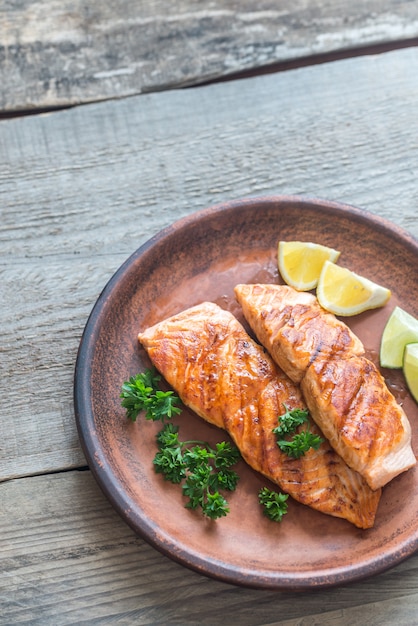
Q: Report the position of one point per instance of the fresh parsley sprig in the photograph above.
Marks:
(300, 442)
(290, 420)
(205, 470)
(274, 504)
(141, 393)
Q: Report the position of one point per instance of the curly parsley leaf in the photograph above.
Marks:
(300, 442)
(290, 420)
(168, 437)
(169, 462)
(226, 455)
(274, 504)
(215, 505)
(141, 393)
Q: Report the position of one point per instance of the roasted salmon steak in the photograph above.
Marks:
(225, 377)
(345, 393)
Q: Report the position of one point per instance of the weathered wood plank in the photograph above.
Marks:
(81, 189)
(67, 558)
(58, 53)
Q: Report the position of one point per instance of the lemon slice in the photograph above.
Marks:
(343, 292)
(410, 368)
(401, 329)
(300, 262)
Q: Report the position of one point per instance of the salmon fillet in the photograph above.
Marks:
(218, 371)
(293, 327)
(345, 393)
(349, 399)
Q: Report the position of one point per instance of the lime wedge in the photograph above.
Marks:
(401, 329)
(410, 368)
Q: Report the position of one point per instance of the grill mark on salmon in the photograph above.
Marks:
(294, 328)
(345, 393)
(363, 418)
(227, 379)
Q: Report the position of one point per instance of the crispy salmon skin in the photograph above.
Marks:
(218, 371)
(346, 394)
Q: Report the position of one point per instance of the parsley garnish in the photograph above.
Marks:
(290, 420)
(302, 441)
(274, 504)
(141, 393)
(205, 470)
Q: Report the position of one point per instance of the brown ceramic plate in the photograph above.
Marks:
(199, 258)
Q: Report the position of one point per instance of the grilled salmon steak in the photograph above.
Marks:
(218, 371)
(294, 328)
(345, 393)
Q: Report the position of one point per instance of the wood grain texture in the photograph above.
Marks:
(67, 558)
(80, 190)
(62, 52)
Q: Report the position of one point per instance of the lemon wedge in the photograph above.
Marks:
(300, 262)
(343, 292)
(410, 368)
(400, 330)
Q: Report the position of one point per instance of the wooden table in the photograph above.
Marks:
(99, 150)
